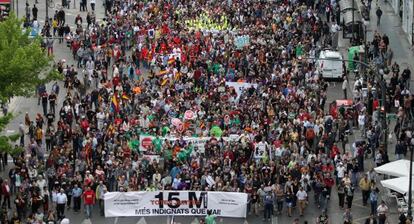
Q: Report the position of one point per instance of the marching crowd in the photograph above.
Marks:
(175, 69)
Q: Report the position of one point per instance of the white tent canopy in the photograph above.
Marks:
(399, 185)
(398, 168)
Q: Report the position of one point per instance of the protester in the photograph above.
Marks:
(61, 200)
(89, 199)
(233, 74)
(365, 186)
(382, 211)
(348, 219)
(373, 197)
(302, 197)
(378, 12)
(323, 218)
(371, 220)
(210, 219)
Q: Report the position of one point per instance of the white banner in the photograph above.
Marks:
(260, 150)
(242, 41)
(179, 203)
(240, 86)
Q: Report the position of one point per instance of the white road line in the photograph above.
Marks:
(275, 220)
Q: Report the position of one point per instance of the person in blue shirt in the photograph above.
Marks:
(76, 193)
(175, 170)
(268, 203)
(373, 198)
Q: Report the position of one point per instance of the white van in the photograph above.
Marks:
(329, 64)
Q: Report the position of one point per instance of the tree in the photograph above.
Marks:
(5, 141)
(23, 66)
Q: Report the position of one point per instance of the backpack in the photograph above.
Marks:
(39, 134)
(268, 200)
(310, 134)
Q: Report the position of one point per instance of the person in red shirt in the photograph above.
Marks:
(329, 182)
(334, 151)
(5, 191)
(327, 168)
(84, 125)
(89, 201)
(229, 154)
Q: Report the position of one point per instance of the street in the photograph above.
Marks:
(19, 106)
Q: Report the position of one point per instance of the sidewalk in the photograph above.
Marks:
(61, 51)
(391, 26)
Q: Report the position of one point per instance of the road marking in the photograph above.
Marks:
(142, 221)
(195, 221)
(275, 220)
(86, 221)
(356, 221)
(357, 199)
(359, 205)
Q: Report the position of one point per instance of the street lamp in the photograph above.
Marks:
(410, 194)
(47, 10)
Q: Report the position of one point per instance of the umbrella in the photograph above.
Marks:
(398, 168)
(399, 185)
(216, 131)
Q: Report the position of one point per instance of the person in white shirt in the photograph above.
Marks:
(382, 211)
(302, 198)
(335, 28)
(41, 183)
(100, 117)
(156, 177)
(361, 123)
(54, 197)
(93, 2)
(61, 200)
(340, 169)
(345, 87)
(65, 221)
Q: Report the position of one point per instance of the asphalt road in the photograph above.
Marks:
(20, 105)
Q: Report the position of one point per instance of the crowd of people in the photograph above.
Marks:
(165, 70)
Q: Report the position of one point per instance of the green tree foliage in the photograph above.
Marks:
(5, 140)
(23, 63)
(23, 66)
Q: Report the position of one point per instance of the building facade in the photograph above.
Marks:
(404, 9)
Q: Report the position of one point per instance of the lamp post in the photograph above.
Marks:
(353, 21)
(47, 10)
(410, 184)
(410, 194)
